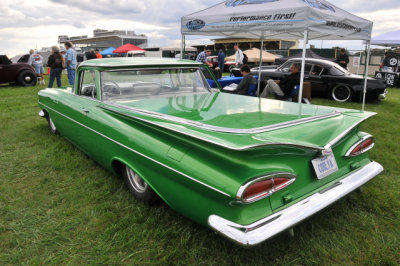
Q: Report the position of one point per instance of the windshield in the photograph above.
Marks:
(133, 84)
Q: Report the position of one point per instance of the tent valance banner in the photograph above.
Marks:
(126, 48)
(277, 19)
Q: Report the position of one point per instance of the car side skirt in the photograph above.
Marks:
(270, 226)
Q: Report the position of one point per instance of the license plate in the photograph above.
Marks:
(325, 165)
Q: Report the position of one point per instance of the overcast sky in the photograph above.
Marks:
(26, 24)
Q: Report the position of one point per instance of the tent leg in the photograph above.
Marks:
(303, 64)
(259, 68)
(366, 74)
(182, 44)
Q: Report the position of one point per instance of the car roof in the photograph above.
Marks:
(314, 61)
(137, 61)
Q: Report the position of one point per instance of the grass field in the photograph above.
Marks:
(57, 206)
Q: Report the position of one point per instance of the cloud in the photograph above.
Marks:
(29, 24)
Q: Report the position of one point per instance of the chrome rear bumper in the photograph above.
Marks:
(267, 227)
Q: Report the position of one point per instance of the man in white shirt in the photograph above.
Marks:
(238, 56)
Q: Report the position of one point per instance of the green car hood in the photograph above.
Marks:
(240, 122)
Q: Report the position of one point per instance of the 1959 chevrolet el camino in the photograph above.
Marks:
(249, 168)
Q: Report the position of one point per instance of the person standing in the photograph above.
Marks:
(221, 60)
(343, 58)
(70, 61)
(98, 55)
(56, 66)
(91, 55)
(385, 64)
(36, 60)
(238, 56)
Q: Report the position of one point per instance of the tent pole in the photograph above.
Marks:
(366, 73)
(259, 67)
(303, 64)
(182, 44)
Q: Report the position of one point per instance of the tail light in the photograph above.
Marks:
(361, 146)
(265, 186)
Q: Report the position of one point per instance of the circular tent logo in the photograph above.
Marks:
(195, 24)
(319, 5)
(233, 3)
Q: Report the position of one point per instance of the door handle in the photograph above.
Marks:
(55, 101)
(86, 111)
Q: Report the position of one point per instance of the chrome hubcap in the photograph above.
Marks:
(28, 79)
(136, 182)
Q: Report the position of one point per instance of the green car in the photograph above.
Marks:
(249, 168)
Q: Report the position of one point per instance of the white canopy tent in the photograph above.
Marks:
(388, 39)
(279, 19)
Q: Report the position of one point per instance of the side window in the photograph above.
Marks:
(317, 70)
(88, 84)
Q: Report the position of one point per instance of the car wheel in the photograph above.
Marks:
(138, 187)
(341, 93)
(52, 127)
(27, 78)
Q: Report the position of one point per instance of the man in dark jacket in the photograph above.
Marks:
(91, 55)
(286, 85)
(243, 87)
(343, 58)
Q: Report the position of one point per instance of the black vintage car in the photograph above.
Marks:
(20, 73)
(328, 79)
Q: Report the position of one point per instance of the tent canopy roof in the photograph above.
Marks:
(253, 55)
(108, 51)
(277, 19)
(391, 39)
(126, 48)
(309, 54)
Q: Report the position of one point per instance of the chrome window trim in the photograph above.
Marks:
(225, 129)
(242, 189)
(348, 153)
(139, 153)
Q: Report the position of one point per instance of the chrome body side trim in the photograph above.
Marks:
(244, 148)
(139, 153)
(357, 143)
(273, 224)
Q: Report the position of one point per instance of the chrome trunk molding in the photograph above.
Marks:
(226, 129)
(257, 232)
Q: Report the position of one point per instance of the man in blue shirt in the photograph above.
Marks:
(70, 61)
(221, 60)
